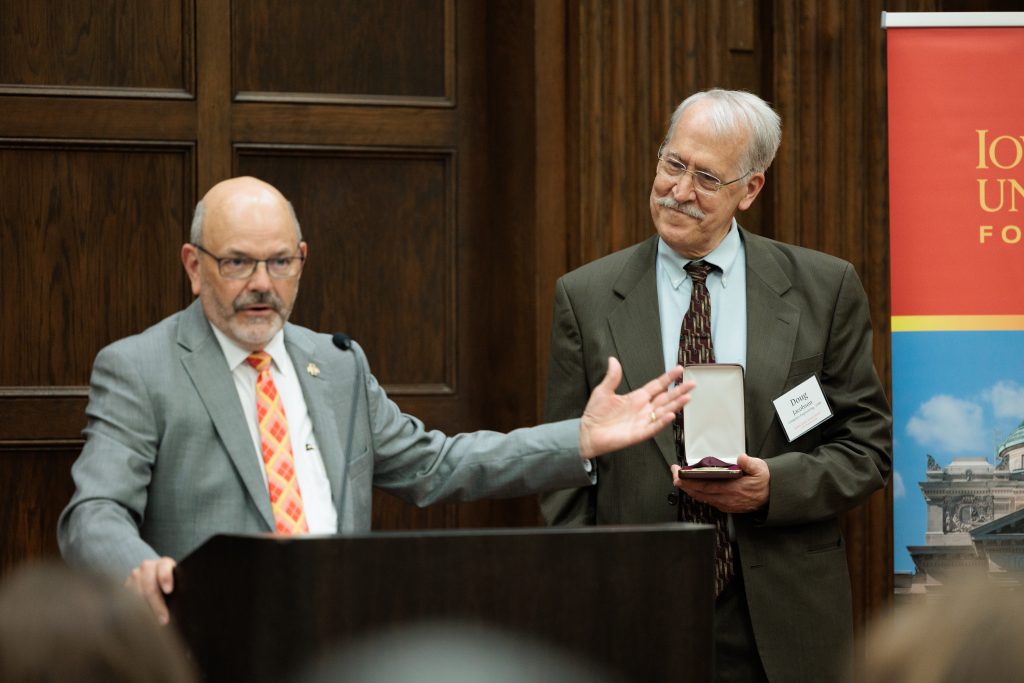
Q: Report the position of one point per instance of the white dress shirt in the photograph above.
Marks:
(321, 516)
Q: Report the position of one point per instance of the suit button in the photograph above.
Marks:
(673, 498)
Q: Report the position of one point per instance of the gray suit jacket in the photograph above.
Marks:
(807, 314)
(169, 461)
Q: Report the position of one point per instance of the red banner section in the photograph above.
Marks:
(956, 176)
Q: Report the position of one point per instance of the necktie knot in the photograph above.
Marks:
(698, 271)
(259, 360)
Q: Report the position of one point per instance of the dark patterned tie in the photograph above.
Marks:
(695, 347)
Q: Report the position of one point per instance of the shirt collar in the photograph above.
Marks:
(236, 355)
(723, 257)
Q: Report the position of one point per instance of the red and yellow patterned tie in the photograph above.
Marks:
(276, 447)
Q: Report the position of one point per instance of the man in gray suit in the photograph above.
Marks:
(176, 449)
(787, 315)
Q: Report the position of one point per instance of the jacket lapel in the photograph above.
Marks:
(320, 389)
(204, 362)
(635, 327)
(772, 325)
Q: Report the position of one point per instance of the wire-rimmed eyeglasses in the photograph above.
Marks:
(672, 167)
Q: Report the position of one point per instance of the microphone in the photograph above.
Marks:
(344, 343)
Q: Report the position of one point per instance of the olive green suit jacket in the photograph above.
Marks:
(807, 314)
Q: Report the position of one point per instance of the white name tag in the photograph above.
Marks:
(802, 408)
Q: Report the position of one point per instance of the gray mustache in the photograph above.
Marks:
(688, 208)
(257, 298)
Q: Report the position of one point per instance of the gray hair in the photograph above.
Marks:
(196, 233)
(731, 110)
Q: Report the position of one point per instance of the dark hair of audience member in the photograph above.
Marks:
(61, 624)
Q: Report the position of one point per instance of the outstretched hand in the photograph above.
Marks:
(611, 422)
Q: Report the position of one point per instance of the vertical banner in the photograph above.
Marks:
(956, 192)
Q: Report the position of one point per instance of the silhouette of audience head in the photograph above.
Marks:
(969, 631)
(452, 652)
(60, 624)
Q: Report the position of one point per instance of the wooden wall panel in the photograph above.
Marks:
(89, 235)
(78, 118)
(402, 124)
(34, 487)
(630, 64)
(99, 45)
(610, 152)
(420, 131)
(88, 232)
(48, 415)
(529, 194)
(381, 230)
(386, 49)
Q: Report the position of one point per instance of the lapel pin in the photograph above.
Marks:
(313, 370)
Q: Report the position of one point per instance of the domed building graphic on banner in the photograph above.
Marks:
(975, 521)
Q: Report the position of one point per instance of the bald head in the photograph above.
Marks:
(239, 194)
(245, 222)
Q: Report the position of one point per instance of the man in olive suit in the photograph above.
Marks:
(787, 315)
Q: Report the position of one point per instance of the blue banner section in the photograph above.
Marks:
(958, 410)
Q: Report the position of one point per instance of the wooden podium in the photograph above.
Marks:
(638, 600)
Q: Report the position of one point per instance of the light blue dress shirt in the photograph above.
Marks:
(727, 286)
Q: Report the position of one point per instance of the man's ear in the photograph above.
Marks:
(304, 250)
(753, 187)
(190, 259)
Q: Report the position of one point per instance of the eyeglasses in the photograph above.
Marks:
(243, 267)
(672, 167)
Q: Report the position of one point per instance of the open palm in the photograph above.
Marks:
(612, 421)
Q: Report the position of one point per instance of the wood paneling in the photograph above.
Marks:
(88, 241)
(350, 50)
(381, 267)
(631, 63)
(361, 114)
(829, 185)
(527, 152)
(50, 415)
(100, 46)
(345, 125)
(103, 119)
(89, 231)
(34, 487)
(98, 195)
(213, 132)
